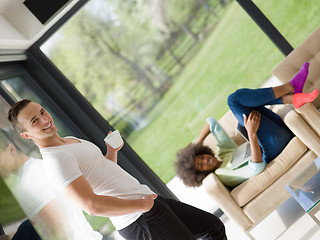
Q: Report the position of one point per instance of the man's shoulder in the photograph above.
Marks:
(33, 160)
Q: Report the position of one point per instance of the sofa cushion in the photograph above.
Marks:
(276, 194)
(246, 191)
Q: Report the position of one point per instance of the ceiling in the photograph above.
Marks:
(20, 28)
(3, 5)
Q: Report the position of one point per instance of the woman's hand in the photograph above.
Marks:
(252, 122)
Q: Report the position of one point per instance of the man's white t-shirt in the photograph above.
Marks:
(63, 164)
(33, 192)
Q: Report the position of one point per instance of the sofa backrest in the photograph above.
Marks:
(249, 189)
(308, 50)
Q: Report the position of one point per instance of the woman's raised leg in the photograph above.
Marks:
(272, 134)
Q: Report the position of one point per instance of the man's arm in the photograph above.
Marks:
(252, 123)
(80, 192)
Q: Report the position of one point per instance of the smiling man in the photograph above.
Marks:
(53, 216)
(101, 187)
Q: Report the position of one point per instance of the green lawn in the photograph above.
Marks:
(237, 54)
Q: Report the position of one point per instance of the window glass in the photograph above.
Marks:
(156, 70)
(10, 210)
(296, 20)
(26, 195)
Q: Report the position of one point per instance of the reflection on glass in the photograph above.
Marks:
(305, 187)
(26, 195)
(52, 215)
(9, 208)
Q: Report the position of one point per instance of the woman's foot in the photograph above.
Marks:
(300, 78)
(299, 99)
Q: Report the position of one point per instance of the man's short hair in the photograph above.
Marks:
(14, 112)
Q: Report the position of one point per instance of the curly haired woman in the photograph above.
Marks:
(267, 134)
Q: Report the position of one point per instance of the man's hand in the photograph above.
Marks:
(252, 122)
(148, 202)
(111, 148)
(111, 152)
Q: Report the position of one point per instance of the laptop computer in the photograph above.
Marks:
(243, 131)
(241, 155)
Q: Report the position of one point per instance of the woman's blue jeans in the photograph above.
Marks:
(273, 134)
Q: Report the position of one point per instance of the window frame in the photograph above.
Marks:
(80, 116)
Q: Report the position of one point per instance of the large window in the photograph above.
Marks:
(132, 62)
(156, 70)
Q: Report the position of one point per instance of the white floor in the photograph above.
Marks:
(288, 222)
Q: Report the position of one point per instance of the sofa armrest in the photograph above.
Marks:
(302, 129)
(221, 195)
(311, 115)
(308, 50)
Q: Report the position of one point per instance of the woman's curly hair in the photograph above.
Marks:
(185, 167)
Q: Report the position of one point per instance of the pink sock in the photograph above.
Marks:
(299, 99)
(300, 78)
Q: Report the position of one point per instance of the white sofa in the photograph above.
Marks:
(256, 198)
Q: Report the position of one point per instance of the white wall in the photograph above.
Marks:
(9, 36)
(22, 19)
(19, 28)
